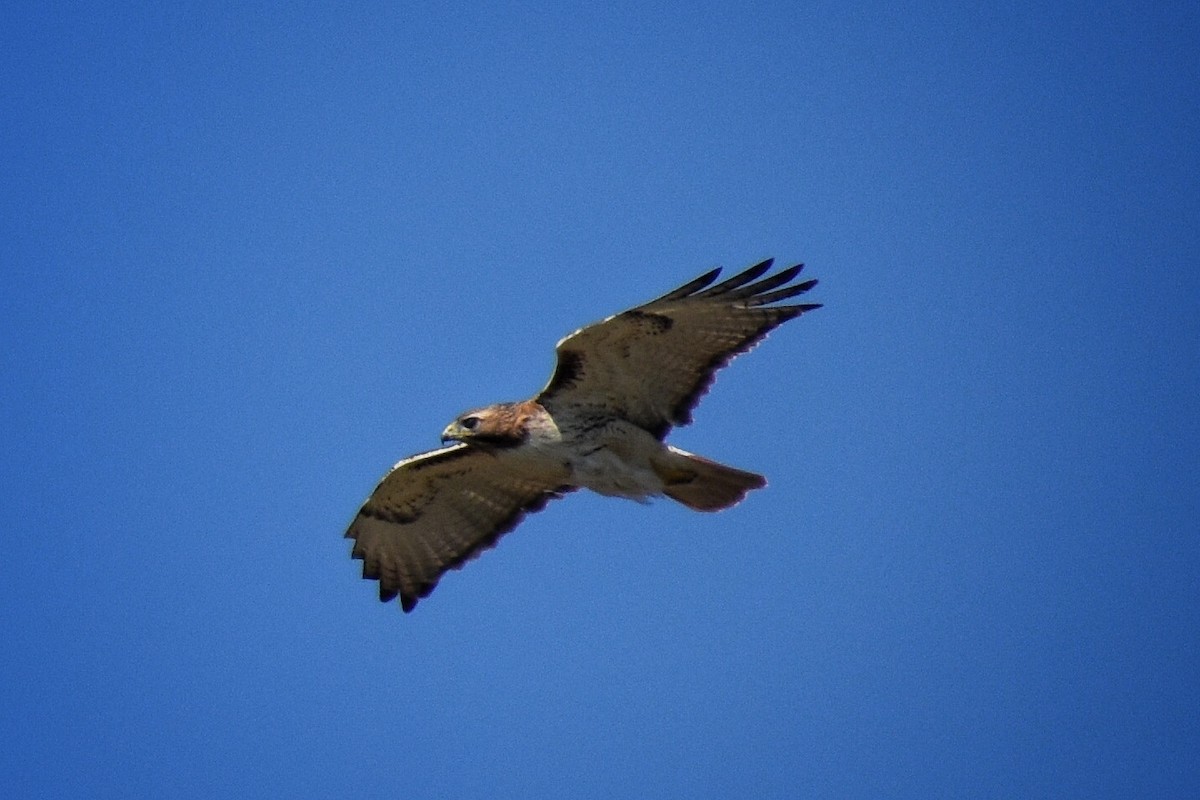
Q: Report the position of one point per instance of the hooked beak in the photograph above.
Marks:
(452, 433)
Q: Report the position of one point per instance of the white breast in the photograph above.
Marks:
(615, 461)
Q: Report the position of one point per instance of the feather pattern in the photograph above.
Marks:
(653, 363)
(438, 510)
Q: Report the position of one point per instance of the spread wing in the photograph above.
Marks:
(436, 511)
(653, 363)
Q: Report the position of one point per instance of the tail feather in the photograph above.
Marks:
(702, 484)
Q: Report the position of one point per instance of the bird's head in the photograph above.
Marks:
(501, 425)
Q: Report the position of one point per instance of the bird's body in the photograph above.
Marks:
(610, 456)
(619, 387)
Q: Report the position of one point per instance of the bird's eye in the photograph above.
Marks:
(469, 422)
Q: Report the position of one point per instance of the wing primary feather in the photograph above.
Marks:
(766, 284)
(781, 294)
(689, 288)
(741, 279)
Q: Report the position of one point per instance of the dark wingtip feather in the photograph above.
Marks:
(781, 294)
(741, 279)
(691, 287)
(766, 284)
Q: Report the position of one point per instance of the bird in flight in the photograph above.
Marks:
(618, 388)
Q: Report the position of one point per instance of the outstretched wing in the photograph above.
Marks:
(437, 510)
(653, 363)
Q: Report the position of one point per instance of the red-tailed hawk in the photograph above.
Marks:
(618, 388)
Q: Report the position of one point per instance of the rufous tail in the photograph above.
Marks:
(702, 484)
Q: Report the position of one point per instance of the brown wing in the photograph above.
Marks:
(653, 363)
(436, 511)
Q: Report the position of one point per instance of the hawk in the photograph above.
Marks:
(618, 388)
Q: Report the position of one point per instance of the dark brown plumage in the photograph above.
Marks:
(618, 388)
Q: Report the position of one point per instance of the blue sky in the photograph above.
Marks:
(253, 257)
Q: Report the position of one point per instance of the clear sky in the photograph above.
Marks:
(251, 258)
